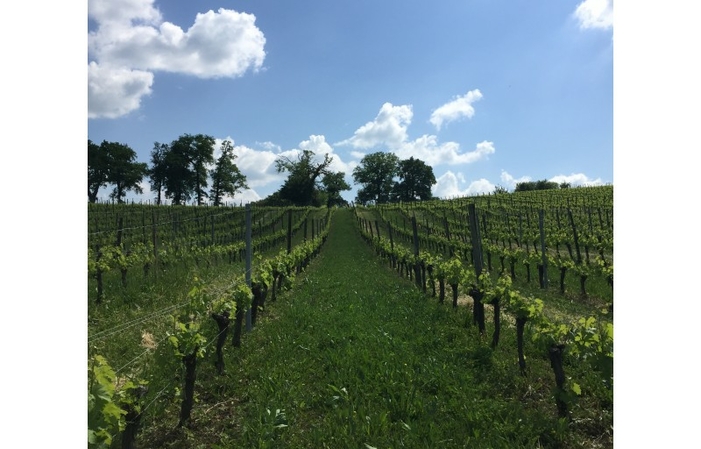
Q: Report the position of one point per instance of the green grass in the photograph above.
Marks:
(356, 357)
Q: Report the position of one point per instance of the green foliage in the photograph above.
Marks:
(113, 163)
(105, 417)
(415, 181)
(375, 174)
(181, 167)
(334, 184)
(453, 270)
(542, 184)
(227, 179)
(300, 188)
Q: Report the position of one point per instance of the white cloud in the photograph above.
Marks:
(388, 128)
(320, 146)
(577, 180)
(447, 186)
(270, 146)
(131, 36)
(456, 109)
(430, 151)
(259, 166)
(510, 182)
(113, 92)
(595, 14)
(123, 11)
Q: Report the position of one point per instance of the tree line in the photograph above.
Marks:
(186, 170)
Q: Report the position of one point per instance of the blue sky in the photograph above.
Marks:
(487, 92)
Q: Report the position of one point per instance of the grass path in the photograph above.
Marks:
(356, 357)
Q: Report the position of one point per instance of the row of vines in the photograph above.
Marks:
(482, 246)
(145, 342)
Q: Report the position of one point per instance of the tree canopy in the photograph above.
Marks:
(385, 178)
(416, 179)
(543, 184)
(226, 177)
(309, 182)
(376, 174)
(334, 184)
(113, 163)
(181, 170)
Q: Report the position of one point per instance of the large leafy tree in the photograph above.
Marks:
(227, 179)
(334, 184)
(157, 172)
(376, 174)
(301, 186)
(180, 168)
(203, 155)
(125, 173)
(542, 184)
(113, 163)
(98, 164)
(179, 178)
(415, 181)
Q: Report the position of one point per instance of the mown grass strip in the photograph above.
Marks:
(356, 357)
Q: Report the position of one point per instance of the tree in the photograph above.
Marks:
(179, 179)
(181, 168)
(500, 189)
(158, 170)
(124, 172)
(543, 184)
(203, 155)
(334, 184)
(300, 188)
(416, 179)
(113, 163)
(226, 177)
(376, 174)
(97, 169)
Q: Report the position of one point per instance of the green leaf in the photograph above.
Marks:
(576, 389)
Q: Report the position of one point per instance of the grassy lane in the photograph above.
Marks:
(356, 357)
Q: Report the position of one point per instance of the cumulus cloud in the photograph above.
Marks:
(454, 110)
(113, 92)
(320, 146)
(270, 146)
(430, 151)
(131, 36)
(389, 129)
(595, 14)
(510, 182)
(577, 180)
(448, 186)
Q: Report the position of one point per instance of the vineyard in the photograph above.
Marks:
(476, 322)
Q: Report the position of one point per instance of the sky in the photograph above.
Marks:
(488, 93)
